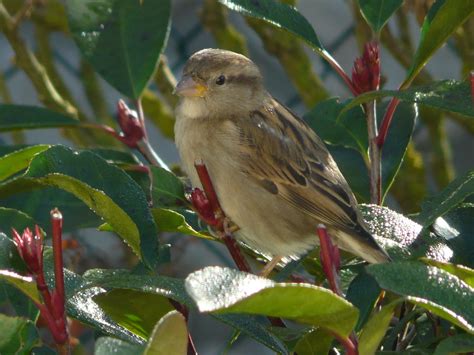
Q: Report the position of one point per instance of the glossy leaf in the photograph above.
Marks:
(443, 18)
(108, 345)
(396, 143)
(377, 12)
(464, 273)
(278, 14)
(121, 39)
(315, 342)
(170, 336)
(447, 199)
(17, 161)
(106, 189)
(375, 329)
(433, 289)
(125, 307)
(17, 335)
(456, 344)
(11, 218)
(446, 95)
(25, 284)
(223, 290)
(167, 188)
(13, 117)
(363, 293)
(171, 221)
(348, 130)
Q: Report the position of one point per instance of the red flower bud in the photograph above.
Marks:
(30, 248)
(366, 70)
(132, 128)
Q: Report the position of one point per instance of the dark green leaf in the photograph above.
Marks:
(278, 14)
(363, 293)
(396, 143)
(11, 218)
(17, 335)
(121, 39)
(349, 161)
(170, 336)
(17, 161)
(106, 189)
(446, 95)
(224, 290)
(25, 284)
(9, 257)
(456, 228)
(107, 346)
(13, 117)
(21, 304)
(126, 308)
(456, 344)
(447, 199)
(434, 289)
(348, 130)
(116, 156)
(375, 329)
(315, 342)
(167, 189)
(171, 221)
(440, 22)
(377, 12)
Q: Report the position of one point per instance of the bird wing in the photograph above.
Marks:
(281, 153)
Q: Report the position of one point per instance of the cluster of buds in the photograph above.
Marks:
(30, 248)
(132, 127)
(366, 70)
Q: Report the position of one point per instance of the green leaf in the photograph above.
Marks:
(440, 22)
(13, 117)
(108, 345)
(170, 336)
(450, 197)
(348, 130)
(315, 342)
(456, 228)
(125, 307)
(456, 344)
(224, 290)
(278, 14)
(375, 329)
(106, 189)
(167, 188)
(464, 273)
(377, 12)
(11, 218)
(171, 221)
(15, 162)
(17, 335)
(25, 284)
(446, 95)
(433, 289)
(122, 40)
(396, 143)
(363, 293)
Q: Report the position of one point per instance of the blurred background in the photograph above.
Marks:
(442, 147)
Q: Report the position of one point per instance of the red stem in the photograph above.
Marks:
(57, 226)
(327, 259)
(339, 70)
(387, 120)
(208, 187)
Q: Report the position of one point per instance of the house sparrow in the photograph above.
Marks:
(274, 177)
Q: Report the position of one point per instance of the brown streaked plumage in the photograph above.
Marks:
(273, 175)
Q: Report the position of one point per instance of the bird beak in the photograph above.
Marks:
(190, 88)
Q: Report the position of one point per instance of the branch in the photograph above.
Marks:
(166, 82)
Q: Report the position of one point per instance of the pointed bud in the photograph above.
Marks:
(366, 70)
(132, 128)
(30, 248)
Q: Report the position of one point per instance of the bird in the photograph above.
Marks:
(274, 177)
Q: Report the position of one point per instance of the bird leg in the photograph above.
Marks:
(268, 268)
(330, 259)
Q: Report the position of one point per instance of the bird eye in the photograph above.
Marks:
(220, 80)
